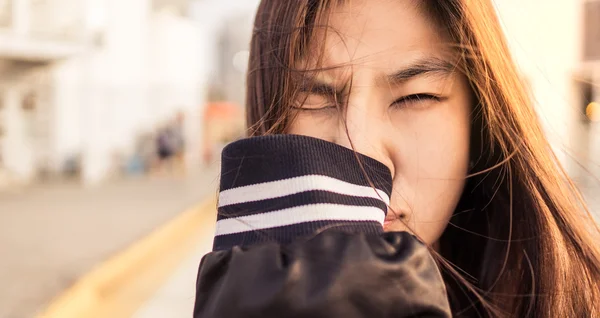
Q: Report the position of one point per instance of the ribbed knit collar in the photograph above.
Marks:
(278, 188)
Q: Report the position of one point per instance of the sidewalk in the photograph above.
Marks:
(176, 297)
(50, 235)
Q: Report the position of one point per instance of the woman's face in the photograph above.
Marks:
(406, 106)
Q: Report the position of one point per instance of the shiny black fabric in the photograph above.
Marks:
(333, 261)
(332, 274)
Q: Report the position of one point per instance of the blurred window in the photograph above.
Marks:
(56, 19)
(591, 30)
(5, 13)
(176, 7)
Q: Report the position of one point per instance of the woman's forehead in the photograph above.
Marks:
(373, 31)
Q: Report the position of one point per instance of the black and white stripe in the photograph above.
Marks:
(281, 187)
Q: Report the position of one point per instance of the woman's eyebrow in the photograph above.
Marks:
(429, 66)
(318, 88)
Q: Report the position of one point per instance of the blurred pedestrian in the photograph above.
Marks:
(179, 143)
(165, 147)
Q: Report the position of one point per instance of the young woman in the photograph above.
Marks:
(426, 92)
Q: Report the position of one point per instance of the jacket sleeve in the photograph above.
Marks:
(332, 274)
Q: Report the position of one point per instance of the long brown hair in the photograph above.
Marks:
(521, 242)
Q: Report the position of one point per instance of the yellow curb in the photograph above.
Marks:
(119, 286)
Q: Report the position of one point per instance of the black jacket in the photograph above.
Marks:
(299, 234)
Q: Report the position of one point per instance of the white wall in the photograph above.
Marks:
(27, 141)
(149, 68)
(114, 87)
(18, 157)
(544, 37)
(213, 14)
(67, 130)
(178, 75)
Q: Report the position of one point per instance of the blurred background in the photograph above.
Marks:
(113, 113)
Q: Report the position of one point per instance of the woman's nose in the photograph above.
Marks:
(363, 130)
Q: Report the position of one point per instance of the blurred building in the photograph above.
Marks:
(80, 80)
(234, 45)
(589, 87)
(557, 47)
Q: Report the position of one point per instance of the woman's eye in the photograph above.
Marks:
(415, 100)
(328, 110)
(315, 103)
(321, 108)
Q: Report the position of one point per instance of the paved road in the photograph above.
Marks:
(52, 234)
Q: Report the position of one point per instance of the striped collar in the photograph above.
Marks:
(280, 187)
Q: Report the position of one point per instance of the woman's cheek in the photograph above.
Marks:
(433, 156)
(307, 123)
